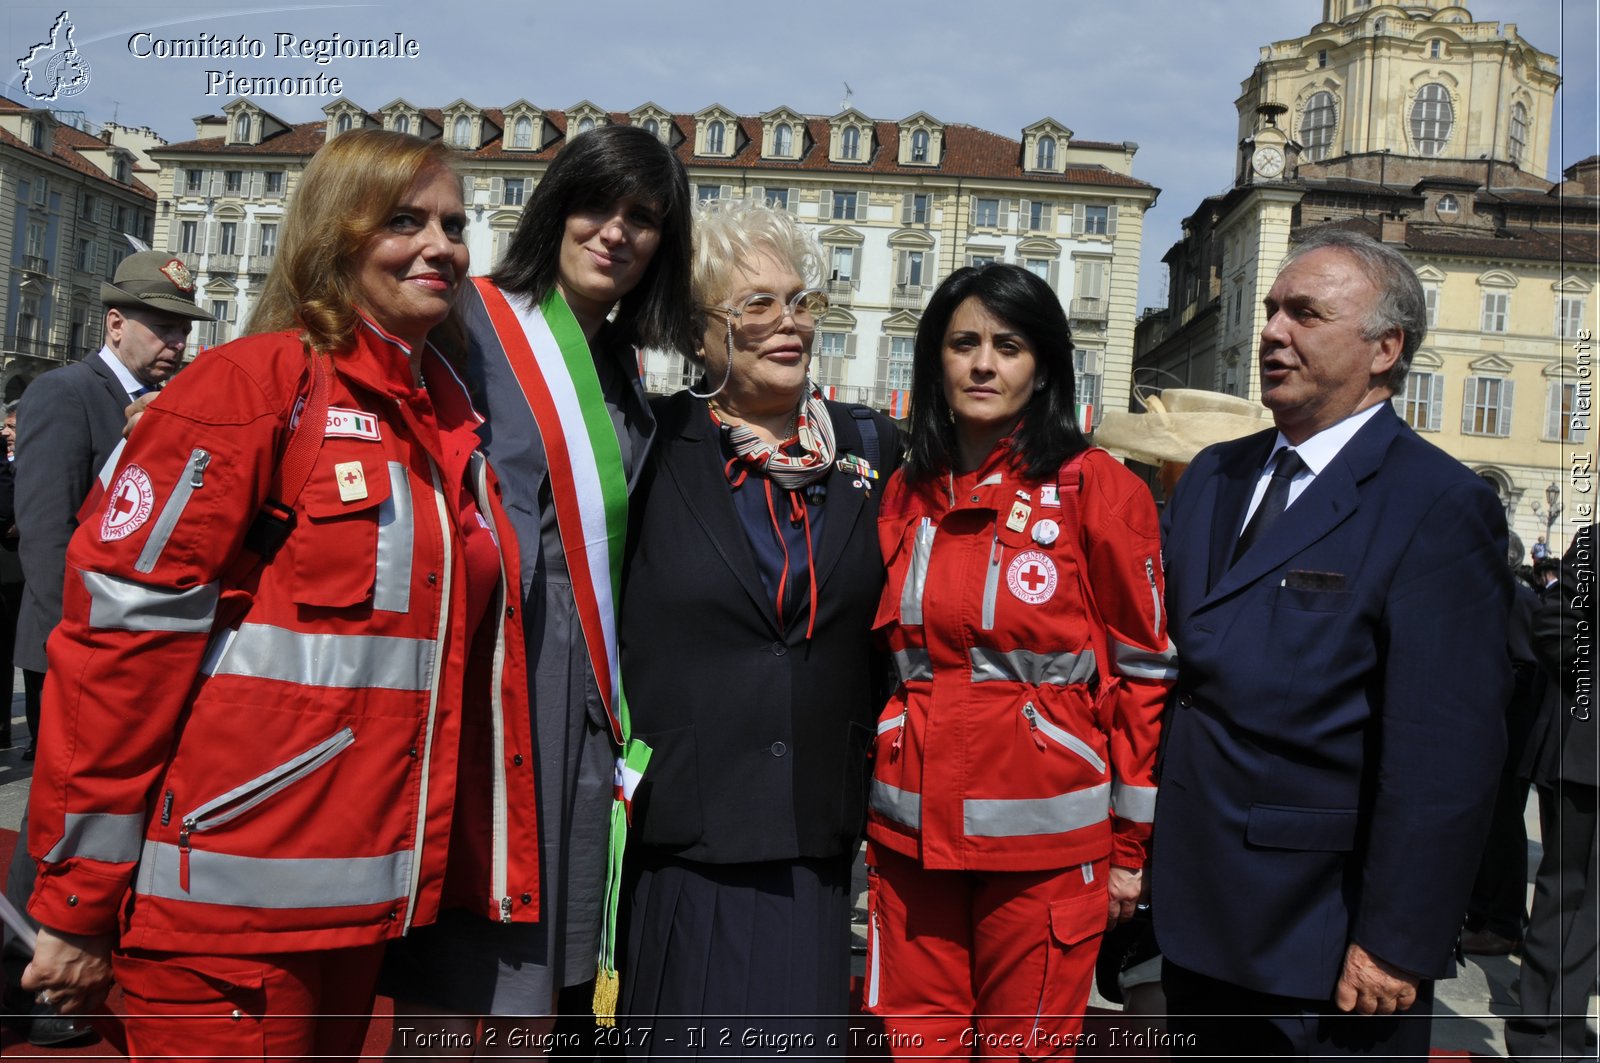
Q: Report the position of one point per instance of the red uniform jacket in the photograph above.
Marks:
(245, 759)
(1003, 748)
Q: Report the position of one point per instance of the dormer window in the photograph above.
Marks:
(461, 131)
(715, 135)
(241, 127)
(342, 123)
(36, 134)
(522, 133)
(1448, 206)
(919, 146)
(402, 124)
(1045, 155)
(783, 140)
(850, 144)
(585, 124)
(119, 169)
(652, 127)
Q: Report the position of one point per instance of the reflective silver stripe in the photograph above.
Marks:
(391, 592)
(262, 882)
(1155, 595)
(436, 667)
(1135, 803)
(912, 664)
(117, 604)
(1017, 817)
(1025, 666)
(991, 584)
(874, 962)
(1138, 663)
(114, 839)
(192, 479)
(348, 662)
(500, 857)
(891, 802)
(242, 798)
(917, 577)
(893, 723)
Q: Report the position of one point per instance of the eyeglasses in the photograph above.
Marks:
(762, 313)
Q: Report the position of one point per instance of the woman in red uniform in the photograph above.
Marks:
(1013, 785)
(252, 769)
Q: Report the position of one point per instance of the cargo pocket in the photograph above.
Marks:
(356, 508)
(172, 1006)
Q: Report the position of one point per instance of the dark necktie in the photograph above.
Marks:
(1273, 503)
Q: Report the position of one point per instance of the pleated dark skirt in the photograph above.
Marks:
(746, 960)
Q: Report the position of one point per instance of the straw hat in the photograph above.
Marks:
(1178, 424)
(153, 280)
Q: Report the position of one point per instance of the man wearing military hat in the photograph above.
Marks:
(68, 423)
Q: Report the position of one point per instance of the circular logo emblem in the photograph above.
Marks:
(128, 504)
(1046, 532)
(1032, 577)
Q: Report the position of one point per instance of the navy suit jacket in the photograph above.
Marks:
(1338, 724)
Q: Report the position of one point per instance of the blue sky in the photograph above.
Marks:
(1162, 73)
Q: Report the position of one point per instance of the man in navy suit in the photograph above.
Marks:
(1338, 594)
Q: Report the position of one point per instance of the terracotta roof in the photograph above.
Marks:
(968, 150)
(1537, 245)
(64, 142)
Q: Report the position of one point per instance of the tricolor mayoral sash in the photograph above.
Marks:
(553, 366)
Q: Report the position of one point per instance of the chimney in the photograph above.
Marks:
(1392, 228)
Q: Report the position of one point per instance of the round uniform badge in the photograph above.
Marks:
(1046, 532)
(1032, 577)
(130, 501)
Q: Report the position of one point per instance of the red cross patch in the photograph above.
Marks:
(128, 504)
(1032, 577)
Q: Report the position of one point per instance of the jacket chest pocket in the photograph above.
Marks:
(355, 539)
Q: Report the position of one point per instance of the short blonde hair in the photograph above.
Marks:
(344, 198)
(729, 233)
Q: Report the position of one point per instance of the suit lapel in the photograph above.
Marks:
(844, 503)
(109, 380)
(691, 459)
(1233, 497)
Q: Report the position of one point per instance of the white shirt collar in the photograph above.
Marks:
(1320, 450)
(129, 382)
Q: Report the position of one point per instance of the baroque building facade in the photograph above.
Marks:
(896, 205)
(1429, 130)
(69, 202)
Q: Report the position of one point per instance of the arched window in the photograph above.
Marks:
(585, 124)
(342, 124)
(1519, 133)
(522, 133)
(919, 146)
(241, 127)
(402, 124)
(850, 147)
(1045, 157)
(652, 127)
(1317, 126)
(783, 140)
(462, 131)
(1432, 118)
(715, 134)
(1449, 206)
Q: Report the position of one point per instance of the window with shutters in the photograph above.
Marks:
(1496, 308)
(844, 206)
(85, 260)
(979, 260)
(830, 365)
(217, 331)
(850, 143)
(920, 210)
(776, 198)
(228, 238)
(188, 237)
(87, 206)
(1096, 220)
(1045, 154)
(1430, 299)
(1563, 423)
(194, 181)
(842, 264)
(512, 197)
(1039, 267)
(716, 134)
(901, 354)
(1486, 406)
(1037, 217)
(28, 324)
(34, 246)
(1421, 405)
(1086, 379)
(1519, 133)
(1569, 316)
(78, 332)
(910, 273)
(706, 193)
(268, 245)
(1432, 118)
(274, 182)
(522, 132)
(986, 212)
(233, 182)
(1317, 126)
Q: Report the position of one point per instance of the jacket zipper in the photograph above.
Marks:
(1155, 595)
(193, 478)
(897, 724)
(243, 798)
(499, 871)
(1038, 725)
(446, 565)
(991, 582)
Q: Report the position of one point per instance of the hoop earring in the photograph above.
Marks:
(727, 373)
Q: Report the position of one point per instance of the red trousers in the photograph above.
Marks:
(290, 1005)
(982, 963)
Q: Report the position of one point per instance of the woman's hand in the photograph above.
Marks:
(70, 972)
(1123, 888)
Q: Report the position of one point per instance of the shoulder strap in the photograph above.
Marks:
(869, 432)
(275, 520)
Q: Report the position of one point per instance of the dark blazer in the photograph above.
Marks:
(1339, 720)
(1564, 734)
(760, 736)
(68, 423)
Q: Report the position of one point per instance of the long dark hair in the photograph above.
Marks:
(594, 170)
(1049, 432)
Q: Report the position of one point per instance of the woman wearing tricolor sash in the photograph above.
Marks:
(598, 266)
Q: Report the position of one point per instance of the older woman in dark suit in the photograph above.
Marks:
(747, 659)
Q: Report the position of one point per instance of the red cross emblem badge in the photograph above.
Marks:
(128, 504)
(1032, 577)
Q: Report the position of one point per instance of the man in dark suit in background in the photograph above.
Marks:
(68, 423)
(1338, 593)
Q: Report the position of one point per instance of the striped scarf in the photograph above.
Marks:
(814, 430)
